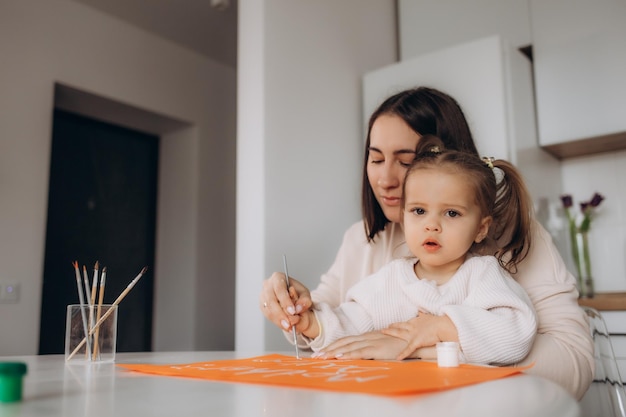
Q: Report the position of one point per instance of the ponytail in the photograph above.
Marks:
(512, 214)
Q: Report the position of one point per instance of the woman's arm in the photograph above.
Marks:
(563, 348)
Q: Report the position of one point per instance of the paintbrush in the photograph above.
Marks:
(293, 328)
(94, 283)
(90, 302)
(99, 311)
(81, 299)
(86, 283)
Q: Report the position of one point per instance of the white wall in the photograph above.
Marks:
(427, 25)
(43, 42)
(300, 140)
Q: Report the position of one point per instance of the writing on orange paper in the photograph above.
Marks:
(363, 376)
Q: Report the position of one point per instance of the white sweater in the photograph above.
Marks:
(493, 315)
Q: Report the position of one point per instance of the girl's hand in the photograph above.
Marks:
(372, 345)
(422, 331)
(281, 306)
(307, 324)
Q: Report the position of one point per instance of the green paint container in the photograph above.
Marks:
(11, 376)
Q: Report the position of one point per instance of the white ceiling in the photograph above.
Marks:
(195, 24)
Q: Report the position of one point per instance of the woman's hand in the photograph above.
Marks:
(281, 306)
(372, 345)
(422, 331)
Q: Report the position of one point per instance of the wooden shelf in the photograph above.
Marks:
(589, 146)
(605, 301)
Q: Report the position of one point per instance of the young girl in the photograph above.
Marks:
(449, 209)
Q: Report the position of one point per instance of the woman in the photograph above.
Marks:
(562, 350)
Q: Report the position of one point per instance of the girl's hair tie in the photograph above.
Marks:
(489, 161)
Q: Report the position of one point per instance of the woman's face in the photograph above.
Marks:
(391, 151)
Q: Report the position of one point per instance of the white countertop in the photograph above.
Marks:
(52, 388)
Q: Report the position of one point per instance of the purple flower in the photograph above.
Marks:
(586, 208)
(567, 200)
(596, 200)
(583, 207)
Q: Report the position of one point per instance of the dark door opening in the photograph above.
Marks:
(101, 207)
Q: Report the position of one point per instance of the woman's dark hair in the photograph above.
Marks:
(428, 112)
(499, 190)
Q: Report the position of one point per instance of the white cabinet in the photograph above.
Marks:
(579, 54)
(492, 82)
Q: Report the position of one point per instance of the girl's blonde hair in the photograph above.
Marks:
(500, 193)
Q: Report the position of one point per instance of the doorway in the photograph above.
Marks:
(101, 207)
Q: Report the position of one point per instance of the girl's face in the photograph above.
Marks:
(441, 219)
(391, 151)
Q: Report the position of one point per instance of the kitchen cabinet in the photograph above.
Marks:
(492, 82)
(579, 54)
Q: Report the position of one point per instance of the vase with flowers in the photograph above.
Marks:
(579, 240)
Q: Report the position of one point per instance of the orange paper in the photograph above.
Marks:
(362, 376)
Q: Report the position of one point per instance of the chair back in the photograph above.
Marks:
(606, 396)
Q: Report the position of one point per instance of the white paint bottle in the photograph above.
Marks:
(447, 354)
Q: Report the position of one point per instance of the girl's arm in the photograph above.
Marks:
(355, 260)
(327, 324)
(492, 319)
(423, 331)
(373, 303)
(308, 326)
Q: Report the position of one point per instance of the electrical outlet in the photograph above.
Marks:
(9, 292)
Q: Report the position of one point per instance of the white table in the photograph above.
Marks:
(52, 388)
